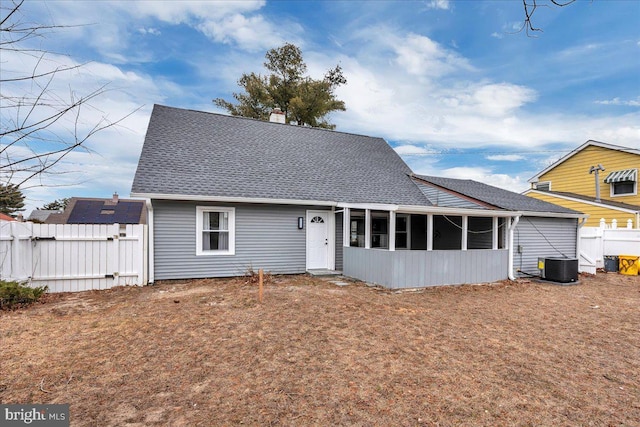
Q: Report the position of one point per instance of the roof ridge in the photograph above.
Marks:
(266, 122)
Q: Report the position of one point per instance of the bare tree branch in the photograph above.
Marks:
(530, 7)
(39, 127)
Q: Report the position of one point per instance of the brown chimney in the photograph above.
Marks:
(114, 200)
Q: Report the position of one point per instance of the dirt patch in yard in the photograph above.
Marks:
(205, 352)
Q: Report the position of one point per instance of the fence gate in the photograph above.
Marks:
(73, 257)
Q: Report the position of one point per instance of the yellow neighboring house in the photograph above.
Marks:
(571, 182)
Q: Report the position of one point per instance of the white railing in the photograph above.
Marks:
(73, 257)
(608, 239)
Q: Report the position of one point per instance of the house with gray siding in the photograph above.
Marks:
(228, 194)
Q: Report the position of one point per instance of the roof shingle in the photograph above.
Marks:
(495, 196)
(195, 153)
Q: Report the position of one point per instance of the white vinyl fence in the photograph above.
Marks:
(73, 257)
(598, 242)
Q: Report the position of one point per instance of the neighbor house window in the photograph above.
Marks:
(215, 230)
(623, 182)
(543, 186)
(624, 188)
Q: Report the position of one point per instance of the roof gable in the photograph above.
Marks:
(41, 214)
(495, 196)
(572, 153)
(204, 155)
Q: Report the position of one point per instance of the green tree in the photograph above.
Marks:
(57, 205)
(304, 101)
(11, 199)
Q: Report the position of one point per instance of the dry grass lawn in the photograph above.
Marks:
(205, 352)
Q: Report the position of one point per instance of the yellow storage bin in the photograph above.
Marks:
(629, 264)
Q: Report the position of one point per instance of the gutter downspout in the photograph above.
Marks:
(150, 254)
(512, 227)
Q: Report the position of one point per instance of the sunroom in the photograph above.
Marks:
(417, 246)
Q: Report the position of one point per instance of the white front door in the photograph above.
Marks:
(318, 239)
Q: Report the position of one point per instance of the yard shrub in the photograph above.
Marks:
(15, 294)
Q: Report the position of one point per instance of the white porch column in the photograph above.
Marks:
(495, 229)
(367, 229)
(346, 227)
(465, 232)
(513, 222)
(392, 230)
(430, 232)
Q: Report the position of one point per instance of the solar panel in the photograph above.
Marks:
(97, 212)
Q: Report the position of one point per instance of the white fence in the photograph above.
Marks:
(73, 257)
(598, 242)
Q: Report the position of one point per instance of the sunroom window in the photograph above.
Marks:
(402, 231)
(215, 230)
(380, 229)
(356, 228)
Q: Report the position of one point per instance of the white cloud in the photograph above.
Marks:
(152, 31)
(251, 33)
(237, 23)
(421, 56)
(487, 176)
(438, 4)
(490, 99)
(505, 157)
(618, 101)
(410, 150)
(386, 100)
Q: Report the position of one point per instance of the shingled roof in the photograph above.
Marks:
(193, 153)
(495, 196)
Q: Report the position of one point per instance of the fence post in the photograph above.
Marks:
(614, 224)
(603, 223)
(629, 224)
(115, 245)
(16, 268)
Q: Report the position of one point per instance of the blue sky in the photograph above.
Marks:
(451, 85)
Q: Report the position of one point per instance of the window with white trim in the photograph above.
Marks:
(215, 230)
(542, 186)
(623, 188)
(623, 182)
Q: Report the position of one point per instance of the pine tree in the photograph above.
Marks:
(305, 101)
(11, 199)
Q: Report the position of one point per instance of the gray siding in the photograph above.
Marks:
(413, 269)
(339, 238)
(542, 237)
(267, 237)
